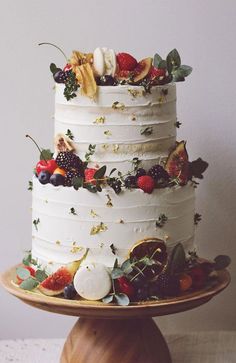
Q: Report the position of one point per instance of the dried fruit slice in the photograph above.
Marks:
(54, 284)
(153, 248)
(142, 69)
(177, 164)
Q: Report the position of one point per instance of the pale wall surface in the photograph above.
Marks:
(204, 33)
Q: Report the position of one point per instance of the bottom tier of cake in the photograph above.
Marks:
(69, 222)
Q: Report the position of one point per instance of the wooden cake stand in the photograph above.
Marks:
(111, 333)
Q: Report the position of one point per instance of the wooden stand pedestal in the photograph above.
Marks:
(111, 333)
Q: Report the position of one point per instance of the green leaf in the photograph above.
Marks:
(100, 172)
(77, 182)
(29, 284)
(177, 259)
(22, 273)
(127, 267)
(91, 188)
(173, 60)
(113, 249)
(69, 134)
(116, 273)
(122, 299)
(46, 154)
(30, 185)
(147, 131)
(162, 64)
(221, 262)
(197, 168)
(108, 299)
(148, 261)
(41, 275)
(186, 70)
(112, 171)
(178, 75)
(27, 259)
(156, 60)
(54, 68)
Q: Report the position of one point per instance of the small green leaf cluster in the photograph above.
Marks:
(177, 72)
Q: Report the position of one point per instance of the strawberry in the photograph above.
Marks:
(125, 286)
(89, 175)
(67, 67)
(126, 62)
(198, 276)
(156, 73)
(30, 269)
(146, 183)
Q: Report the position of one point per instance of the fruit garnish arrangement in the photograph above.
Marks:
(149, 273)
(66, 168)
(104, 67)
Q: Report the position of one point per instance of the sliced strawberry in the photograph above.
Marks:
(89, 175)
(156, 73)
(126, 62)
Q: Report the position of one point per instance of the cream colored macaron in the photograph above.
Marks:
(104, 61)
(92, 281)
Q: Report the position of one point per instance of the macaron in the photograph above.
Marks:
(92, 281)
(104, 61)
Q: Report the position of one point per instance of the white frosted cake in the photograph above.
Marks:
(117, 195)
(130, 216)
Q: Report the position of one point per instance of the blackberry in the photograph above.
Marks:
(140, 172)
(60, 77)
(130, 181)
(69, 177)
(115, 185)
(158, 173)
(67, 160)
(166, 285)
(139, 281)
(142, 293)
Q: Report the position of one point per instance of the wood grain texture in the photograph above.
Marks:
(96, 309)
(115, 341)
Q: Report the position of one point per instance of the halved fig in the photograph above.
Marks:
(177, 164)
(142, 69)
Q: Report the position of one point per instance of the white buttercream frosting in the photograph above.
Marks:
(123, 121)
(62, 237)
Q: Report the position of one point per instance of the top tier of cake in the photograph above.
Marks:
(124, 122)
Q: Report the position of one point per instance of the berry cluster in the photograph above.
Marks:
(156, 177)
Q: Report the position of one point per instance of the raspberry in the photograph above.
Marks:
(130, 181)
(167, 285)
(140, 172)
(89, 175)
(126, 62)
(146, 183)
(158, 173)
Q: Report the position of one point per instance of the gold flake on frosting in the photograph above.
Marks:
(93, 213)
(99, 228)
(118, 106)
(107, 133)
(76, 249)
(115, 148)
(135, 92)
(99, 120)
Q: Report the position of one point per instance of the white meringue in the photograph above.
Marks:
(104, 61)
(92, 281)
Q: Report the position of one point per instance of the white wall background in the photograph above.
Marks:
(204, 33)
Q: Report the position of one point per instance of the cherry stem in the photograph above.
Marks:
(53, 45)
(41, 153)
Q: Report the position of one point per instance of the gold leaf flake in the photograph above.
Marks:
(118, 106)
(76, 249)
(58, 242)
(93, 213)
(135, 92)
(99, 228)
(101, 245)
(46, 201)
(105, 146)
(73, 243)
(107, 133)
(115, 148)
(133, 117)
(121, 221)
(109, 202)
(50, 262)
(99, 120)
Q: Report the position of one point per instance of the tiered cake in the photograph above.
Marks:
(131, 215)
(114, 204)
